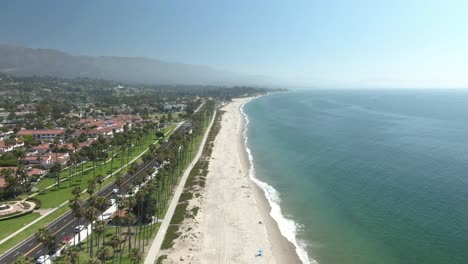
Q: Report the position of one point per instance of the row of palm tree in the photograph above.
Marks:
(144, 208)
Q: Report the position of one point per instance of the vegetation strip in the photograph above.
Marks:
(193, 186)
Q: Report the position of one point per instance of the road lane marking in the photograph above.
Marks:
(38, 245)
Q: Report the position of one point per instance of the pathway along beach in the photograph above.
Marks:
(233, 223)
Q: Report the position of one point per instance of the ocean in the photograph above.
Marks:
(365, 176)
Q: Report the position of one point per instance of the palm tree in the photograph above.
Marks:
(78, 212)
(45, 237)
(99, 228)
(90, 215)
(99, 180)
(135, 255)
(23, 260)
(103, 253)
(101, 204)
(113, 242)
(72, 255)
(55, 172)
(118, 180)
(13, 184)
(76, 191)
(140, 197)
(129, 218)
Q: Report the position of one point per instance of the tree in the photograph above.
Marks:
(114, 242)
(99, 228)
(103, 253)
(118, 180)
(23, 260)
(29, 141)
(135, 255)
(13, 185)
(45, 237)
(71, 254)
(90, 215)
(76, 191)
(99, 180)
(78, 211)
(55, 172)
(129, 218)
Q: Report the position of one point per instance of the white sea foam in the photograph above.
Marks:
(288, 227)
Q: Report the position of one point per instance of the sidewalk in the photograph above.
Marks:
(156, 245)
(66, 202)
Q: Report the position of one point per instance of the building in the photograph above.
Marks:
(6, 148)
(43, 134)
(46, 160)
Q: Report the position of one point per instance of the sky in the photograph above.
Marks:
(329, 43)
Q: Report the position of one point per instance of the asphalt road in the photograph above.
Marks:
(64, 226)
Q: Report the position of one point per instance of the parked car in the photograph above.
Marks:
(43, 259)
(111, 201)
(79, 228)
(115, 190)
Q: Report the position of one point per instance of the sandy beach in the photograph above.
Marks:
(233, 222)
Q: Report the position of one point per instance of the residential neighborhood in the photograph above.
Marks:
(66, 144)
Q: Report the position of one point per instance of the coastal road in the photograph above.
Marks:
(64, 226)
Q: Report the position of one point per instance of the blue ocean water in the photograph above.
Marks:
(368, 176)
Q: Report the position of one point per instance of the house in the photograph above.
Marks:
(46, 160)
(45, 148)
(43, 134)
(36, 172)
(43, 160)
(105, 127)
(6, 147)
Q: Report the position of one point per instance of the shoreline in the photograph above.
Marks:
(233, 222)
(284, 250)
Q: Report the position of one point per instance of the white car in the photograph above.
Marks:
(79, 228)
(111, 201)
(115, 190)
(43, 259)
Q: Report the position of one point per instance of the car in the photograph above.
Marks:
(79, 228)
(115, 190)
(111, 201)
(43, 259)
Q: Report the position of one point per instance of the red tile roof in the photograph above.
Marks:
(41, 131)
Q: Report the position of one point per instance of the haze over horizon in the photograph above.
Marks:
(355, 44)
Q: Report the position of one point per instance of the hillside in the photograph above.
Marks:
(21, 61)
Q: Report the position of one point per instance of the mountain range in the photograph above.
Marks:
(22, 61)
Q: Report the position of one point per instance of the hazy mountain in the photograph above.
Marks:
(21, 61)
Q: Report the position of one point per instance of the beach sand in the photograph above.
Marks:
(233, 222)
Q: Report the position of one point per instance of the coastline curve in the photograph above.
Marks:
(287, 227)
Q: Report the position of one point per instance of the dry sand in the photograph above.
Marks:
(233, 222)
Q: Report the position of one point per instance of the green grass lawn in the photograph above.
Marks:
(30, 230)
(52, 197)
(11, 225)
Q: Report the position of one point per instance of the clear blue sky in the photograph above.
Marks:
(317, 43)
